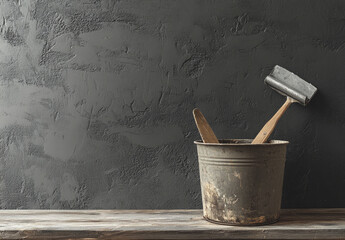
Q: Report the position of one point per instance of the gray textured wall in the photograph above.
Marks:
(96, 97)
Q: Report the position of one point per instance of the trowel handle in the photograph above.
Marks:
(266, 131)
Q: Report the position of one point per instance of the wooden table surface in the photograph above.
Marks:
(164, 224)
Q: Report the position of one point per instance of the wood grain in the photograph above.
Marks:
(267, 130)
(164, 224)
(204, 128)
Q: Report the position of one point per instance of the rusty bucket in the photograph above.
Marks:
(241, 183)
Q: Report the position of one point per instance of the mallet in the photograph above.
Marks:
(291, 86)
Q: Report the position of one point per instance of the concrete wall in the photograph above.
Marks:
(96, 97)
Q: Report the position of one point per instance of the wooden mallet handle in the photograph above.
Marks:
(267, 130)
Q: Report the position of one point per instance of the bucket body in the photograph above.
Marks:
(241, 183)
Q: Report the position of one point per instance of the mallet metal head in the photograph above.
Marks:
(290, 85)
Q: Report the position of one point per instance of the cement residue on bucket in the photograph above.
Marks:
(241, 182)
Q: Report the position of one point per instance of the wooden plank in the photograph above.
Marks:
(164, 224)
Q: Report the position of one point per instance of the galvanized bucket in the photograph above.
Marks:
(241, 183)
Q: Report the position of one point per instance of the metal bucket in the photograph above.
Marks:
(241, 183)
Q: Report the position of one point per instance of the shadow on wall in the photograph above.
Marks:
(313, 175)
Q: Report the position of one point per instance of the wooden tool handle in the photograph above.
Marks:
(266, 131)
(204, 128)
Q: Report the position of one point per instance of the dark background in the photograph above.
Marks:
(96, 97)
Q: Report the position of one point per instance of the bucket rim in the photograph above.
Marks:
(241, 142)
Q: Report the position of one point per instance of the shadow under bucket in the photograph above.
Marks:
(241, 183)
